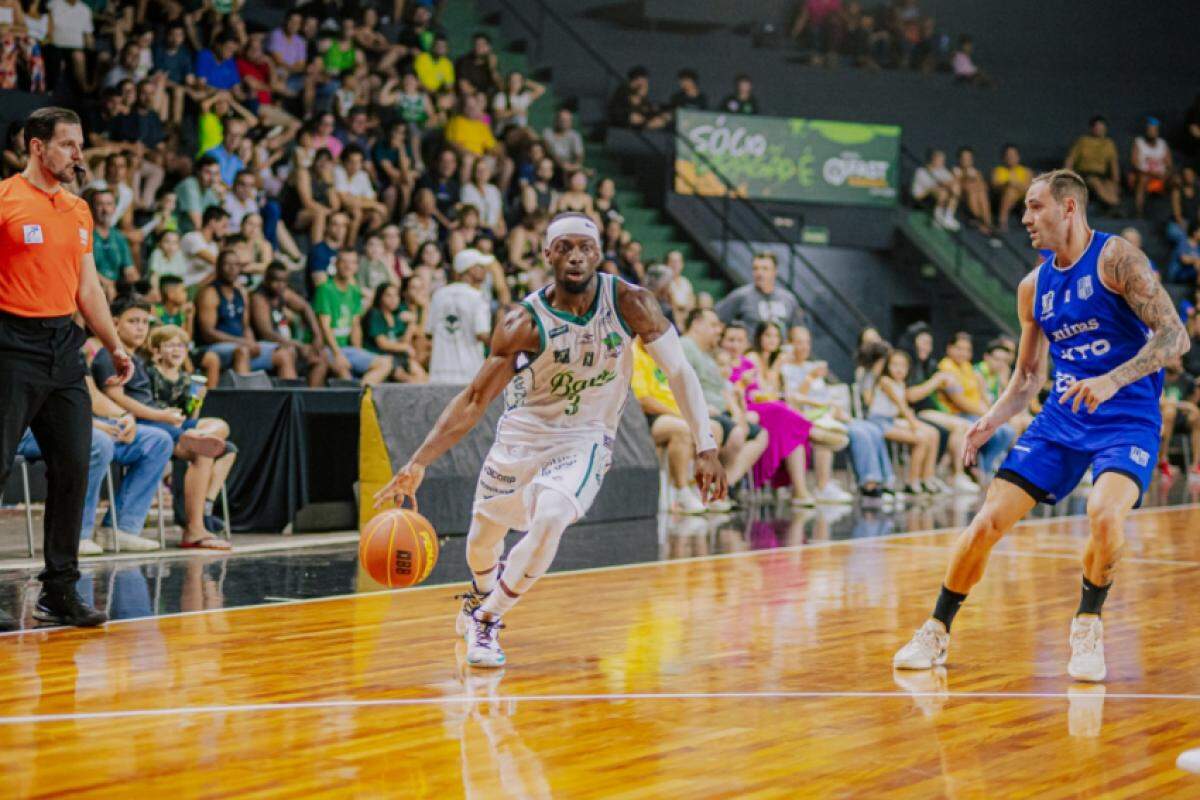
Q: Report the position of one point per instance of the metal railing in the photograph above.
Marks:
(963, 245)
(728, 199)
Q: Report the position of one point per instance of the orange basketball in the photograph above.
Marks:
(398, 548)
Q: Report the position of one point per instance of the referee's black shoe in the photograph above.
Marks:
(66, 607)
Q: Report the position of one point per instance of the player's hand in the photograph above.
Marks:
(977, 436)
(710, 475)
(403, 485)
(123, 364)
(1091, 393)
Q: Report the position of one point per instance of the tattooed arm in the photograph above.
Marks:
(1125, 270)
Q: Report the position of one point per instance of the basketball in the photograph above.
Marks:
(398, 548)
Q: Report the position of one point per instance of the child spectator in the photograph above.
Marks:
(934, 183)
(199, 448)
(173, 387)
(963, 64)
(173, 307)
(889, 411)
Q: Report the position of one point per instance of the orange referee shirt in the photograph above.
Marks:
(43, 238)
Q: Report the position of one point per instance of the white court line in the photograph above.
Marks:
(1165, 562)
(400, 702)
(614, 567)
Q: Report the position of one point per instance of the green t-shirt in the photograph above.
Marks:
(190, 197)
(341, 306)
(375, 324)
(339, 59)
(167, 318)
(112, 253)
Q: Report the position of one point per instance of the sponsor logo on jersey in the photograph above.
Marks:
(587, 337)
(1067, 297)
(33, 234)
(1139, 456)
(612, 343)
(1084, 287)
(1086, 350)
(1074, 329)
(1048, 303)
(562, 356)
(567, 386)
(83, 236)
(491, 473)
(608, 441)
(589, 358)
(559, 331)
(558, 464)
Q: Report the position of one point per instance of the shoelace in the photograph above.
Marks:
(485, 633)
(928, 639)
(1086, 640)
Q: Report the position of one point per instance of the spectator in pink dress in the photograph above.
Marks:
(786, 457)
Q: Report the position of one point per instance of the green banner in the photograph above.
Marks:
(788, 158)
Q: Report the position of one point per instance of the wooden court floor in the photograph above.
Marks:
(762, 674)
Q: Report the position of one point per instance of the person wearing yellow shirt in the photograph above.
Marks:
(669, 429)
(1010, 181)
(965, 396)
(1094, 157)
(434, 69)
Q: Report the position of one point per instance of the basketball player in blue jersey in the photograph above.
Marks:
(563, 359)
(1096, 306)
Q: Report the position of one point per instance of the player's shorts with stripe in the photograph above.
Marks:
(573, 465)
(1049, 469)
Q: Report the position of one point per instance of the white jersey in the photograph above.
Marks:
(579, 382)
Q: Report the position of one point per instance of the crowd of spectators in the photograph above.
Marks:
(895, 34)
(261, 188)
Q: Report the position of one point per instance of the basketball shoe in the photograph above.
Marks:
(1087, 650)
(472, 599)
(927, 648)
(483, 642)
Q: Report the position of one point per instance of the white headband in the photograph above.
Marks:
(572, 226)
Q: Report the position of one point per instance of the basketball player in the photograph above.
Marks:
(564, 359)
(1097, 307)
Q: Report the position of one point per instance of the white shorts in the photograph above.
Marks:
(573, 466)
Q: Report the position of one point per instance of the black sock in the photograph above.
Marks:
(948, 603)
(1091, 599)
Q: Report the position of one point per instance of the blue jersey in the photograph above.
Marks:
(1092, 330)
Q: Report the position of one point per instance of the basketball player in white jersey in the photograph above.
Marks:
(563, 359)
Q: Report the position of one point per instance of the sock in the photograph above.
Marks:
(1091, 599)
(498, 603)
(485, 580)
(948, 603)
(208, 508)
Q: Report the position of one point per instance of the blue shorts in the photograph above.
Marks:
(175, 431)
(360, 360)
(1049, 470)
(224, 351)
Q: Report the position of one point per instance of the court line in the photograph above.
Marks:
(614, 567)
(1165, 562)
(400, 702)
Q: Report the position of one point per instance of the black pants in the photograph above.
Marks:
(42, 387)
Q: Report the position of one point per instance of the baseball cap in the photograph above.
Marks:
(471, 257)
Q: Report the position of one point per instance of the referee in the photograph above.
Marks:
(47, 273)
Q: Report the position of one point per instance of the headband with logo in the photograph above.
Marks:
(572, 226)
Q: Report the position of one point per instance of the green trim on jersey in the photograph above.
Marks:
(567, 316)
(541, 330)
(588, 473)
(614, 282)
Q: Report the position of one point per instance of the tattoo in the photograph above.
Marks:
(1127, 269)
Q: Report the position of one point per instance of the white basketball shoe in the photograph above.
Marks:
(483, 642)
(1087, 650)
(927, 649)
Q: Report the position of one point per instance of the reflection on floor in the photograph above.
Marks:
(189, 583)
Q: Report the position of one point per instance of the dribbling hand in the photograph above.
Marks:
(977, 436)
(710, 476)
(403, 484)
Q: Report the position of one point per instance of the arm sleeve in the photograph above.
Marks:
(668, 354)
